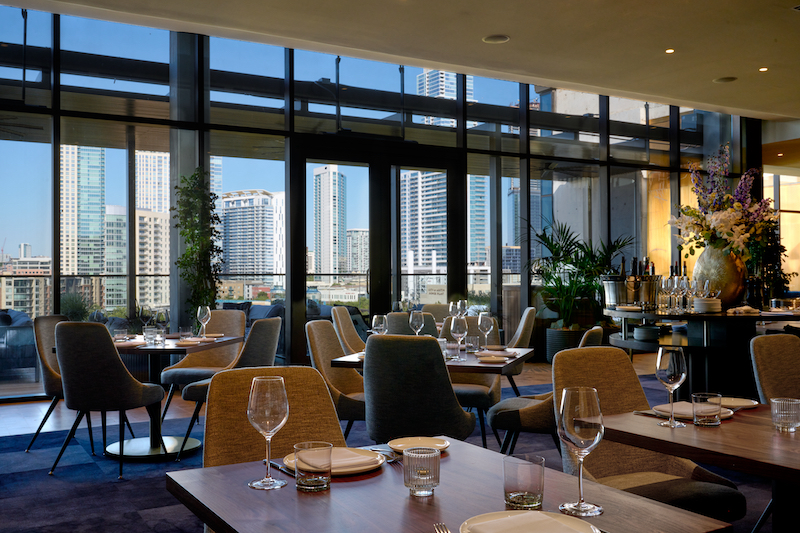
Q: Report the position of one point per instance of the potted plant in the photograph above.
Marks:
(570, 281)
(200, 264)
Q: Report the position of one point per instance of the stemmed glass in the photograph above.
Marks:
(458, 329)
(267, 410)
(663, 294)
(203, 315)
(453, 309)
(416, 321)
(671, 371)
(145, 315)
(675, 291)
(379, 324)
(580, 427)
(462, 308)
(485, 325)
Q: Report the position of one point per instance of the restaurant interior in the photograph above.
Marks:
(512, 119)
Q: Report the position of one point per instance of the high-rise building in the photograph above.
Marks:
(152, 257)
(330, 217)
(515, 220)
(116, 257)
(25, 250)
(477, 219)
(152, 181)
(358, 250)
(253, 233)
(441, 84)
(83, 192)
(423, 222)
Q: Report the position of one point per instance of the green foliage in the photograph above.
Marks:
(765, 262)
(74, 306)
(200, 265)
(262, 296)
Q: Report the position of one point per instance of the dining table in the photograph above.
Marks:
(470, 485)
(747, 442)
(158, 446)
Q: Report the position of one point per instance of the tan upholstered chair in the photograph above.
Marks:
(346, 331)
(95, 379)
(592, 337)
(229, 436)
(346, 384)
(439, 311)
(397, 324)
(521, 339)
(205, 363)
(776, 365)
(658, 476)
(258, 350)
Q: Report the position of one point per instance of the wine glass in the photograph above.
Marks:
(485, 325)
(675, 292)
(458, 329)
(145, 315)
(453, 309)
(671, 371)
(379, 324)
(203, 315)
(267, 410)
(416, 321)
(462, 308)
(580, 427)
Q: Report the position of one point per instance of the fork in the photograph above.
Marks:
(441, 528)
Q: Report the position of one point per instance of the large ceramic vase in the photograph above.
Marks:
(726, 272)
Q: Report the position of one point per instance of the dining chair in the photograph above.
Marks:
(408, 391)
(346, 331)
(346, 384)
(592, 337)
(205, 363)
(439, 311)
(229, 436)
(95, 379)
(397, 324)
(665, 478)
(259, 350)
(521, 339)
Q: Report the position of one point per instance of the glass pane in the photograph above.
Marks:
(15, 57)
(657, 232)
(370, 97)
(564, 123)
(493, 115)
(703, 133)
(790, 238)
(246, 83)
(790, 193)
(430, 106)
(114, 68)
(639, 131)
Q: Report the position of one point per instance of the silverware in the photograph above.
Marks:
(282, 468)
(650, 412)
(441, 528)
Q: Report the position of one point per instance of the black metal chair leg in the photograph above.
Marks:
(170, 394)
(195, 418)
(763, 518)
(483, 427)
(130, 429)
(89, 427)
(121, 440)
(507, 440)
(348, 428)
(513, 385)
(513, 442)
(497, 437)
(103, 423)
(66, 441)
(46, 416)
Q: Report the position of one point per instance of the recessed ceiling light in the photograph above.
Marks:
(763, 69)
(496, 39)
(670, 50)
(780, 155)
(726, 79)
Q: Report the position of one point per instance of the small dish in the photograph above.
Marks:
(566, 522)
(738, 403)
(496, 347)
(684, 411)
(628, 308)
(401, 444)
(491, 359)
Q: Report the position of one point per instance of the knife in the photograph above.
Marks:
(282, 468)
(650, 412)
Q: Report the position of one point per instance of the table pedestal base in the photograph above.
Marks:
(142, 449)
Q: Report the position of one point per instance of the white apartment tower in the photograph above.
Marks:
(330, 217)
(358, 250)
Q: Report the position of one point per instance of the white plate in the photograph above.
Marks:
(492, 359)
(683, 411)
(346, 470)
(497, 347)
(628, 308)
(399, 445)
(738, 403)
(575, 523)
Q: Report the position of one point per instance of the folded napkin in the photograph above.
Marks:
(183, 344)
(198, 339)
(743, 310)
(498, 347)
(529, 521)
(344, 457)
(129, 344)
(495, 353)
(682, 409)
(215, 335)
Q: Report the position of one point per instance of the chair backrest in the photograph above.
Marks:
(472, 329)
(408, 391)
(346, 331)
(323, 345)
(776, 365)
(397, 324)
(610, 371)
(93, 375)
(44, 333)
(229, 436)
(261, 344)
(231, 323)
(522, 337)
(593, 337)
(439, 311)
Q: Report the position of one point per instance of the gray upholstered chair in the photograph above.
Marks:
(346, 331)
(439, 311)
(408, 390)
(397, 324)
(205, 363)
(521, 339)
(95, 379)
(259, 350)
(592, 337)
(229, 436)
(346, 384)
(665, 478)
(529, 414)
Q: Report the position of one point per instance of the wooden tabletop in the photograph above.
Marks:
(472, 364)
(170, 346)
(377, 502)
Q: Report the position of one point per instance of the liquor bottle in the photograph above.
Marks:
(684, 269)
(622, 271)
(652, 268)
(634, 267)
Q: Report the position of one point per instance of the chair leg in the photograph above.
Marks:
(46, 416)
(89, 427)
(513, 385)
(348, 428)
(497, 437)
(483, 427)
(121, 440)
(130, 429)
(69, 438)
(195, 418)
(103, 423)
(763, 518)
(508, 440)
(170, 394)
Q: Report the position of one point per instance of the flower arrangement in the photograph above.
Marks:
(735, 223)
